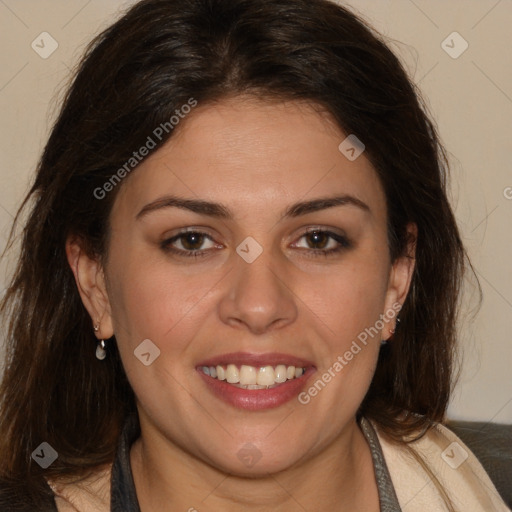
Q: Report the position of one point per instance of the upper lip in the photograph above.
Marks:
(257, 360)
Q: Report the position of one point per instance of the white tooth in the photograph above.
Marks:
(247, 375)
(206, 370)
(280, 373)
(290, 372)
(221, 373)
(298, 372)
(266, 376)
(232, 374)
(213, 372)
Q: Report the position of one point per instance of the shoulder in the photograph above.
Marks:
(438, 462)
(89, 493)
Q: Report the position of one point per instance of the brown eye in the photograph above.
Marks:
(188, 243)
(192, 240)
(319, 239)
(321, 242)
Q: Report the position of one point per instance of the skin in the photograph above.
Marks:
(257, 158)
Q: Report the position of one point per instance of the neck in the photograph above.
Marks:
(338, 477)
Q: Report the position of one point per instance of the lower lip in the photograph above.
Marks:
(256, 399)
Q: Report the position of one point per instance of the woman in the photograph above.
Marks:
(239, 277)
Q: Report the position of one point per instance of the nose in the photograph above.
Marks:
(258, 297)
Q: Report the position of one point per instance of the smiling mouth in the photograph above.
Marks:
(253, 377)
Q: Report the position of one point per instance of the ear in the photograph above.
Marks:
(90, 280)
(400, 280)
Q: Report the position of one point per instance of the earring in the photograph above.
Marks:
(391, 331)
(101, 348)
(101, 351)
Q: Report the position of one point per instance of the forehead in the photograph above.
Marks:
(254, 155)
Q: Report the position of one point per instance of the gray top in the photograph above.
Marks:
(387, 496)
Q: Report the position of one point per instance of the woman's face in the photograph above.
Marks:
(253, 178)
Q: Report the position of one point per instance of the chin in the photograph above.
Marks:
(252, 462)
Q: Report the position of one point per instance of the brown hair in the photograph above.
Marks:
(132, 78)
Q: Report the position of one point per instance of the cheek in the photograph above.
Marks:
(347, 306)
(349, 298)
(154, 300)
(159, 304)
(346, 313)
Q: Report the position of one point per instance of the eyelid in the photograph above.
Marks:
(200, 230)
(321, 229)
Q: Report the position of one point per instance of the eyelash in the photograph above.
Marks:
(343, 242)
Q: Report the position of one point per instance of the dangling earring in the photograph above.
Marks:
(101, 348)
(101, 352)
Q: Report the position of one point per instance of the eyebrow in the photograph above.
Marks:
(221, 211)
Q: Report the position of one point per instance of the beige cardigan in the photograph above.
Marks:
(450, 460)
